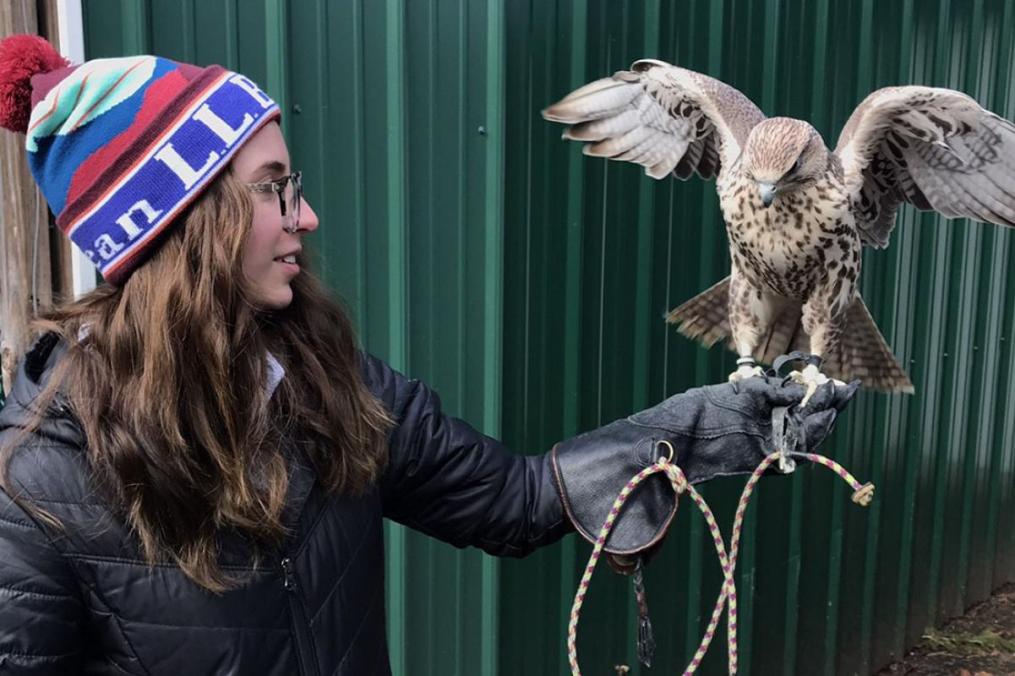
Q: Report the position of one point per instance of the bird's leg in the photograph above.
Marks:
(823, 322)
(750, 316)
(746, 368)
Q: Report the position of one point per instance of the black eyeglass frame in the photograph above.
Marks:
(278, 187)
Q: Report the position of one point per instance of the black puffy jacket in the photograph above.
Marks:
(82, 601)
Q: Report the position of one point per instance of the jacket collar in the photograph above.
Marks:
(34, 371)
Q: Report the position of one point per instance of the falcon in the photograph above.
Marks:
(798, 214)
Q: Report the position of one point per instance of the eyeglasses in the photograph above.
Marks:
(290, 194)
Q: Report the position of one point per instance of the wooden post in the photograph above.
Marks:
(26, 260)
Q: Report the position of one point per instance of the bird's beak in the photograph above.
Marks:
(767, 192)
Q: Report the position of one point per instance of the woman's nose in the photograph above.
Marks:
(308, 217)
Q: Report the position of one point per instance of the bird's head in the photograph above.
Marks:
(783, 154)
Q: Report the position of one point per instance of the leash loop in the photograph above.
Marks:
(862, 495)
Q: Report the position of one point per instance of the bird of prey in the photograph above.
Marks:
(797, 214)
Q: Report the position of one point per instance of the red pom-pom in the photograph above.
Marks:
(21, 57)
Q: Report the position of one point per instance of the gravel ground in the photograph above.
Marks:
(980, 643)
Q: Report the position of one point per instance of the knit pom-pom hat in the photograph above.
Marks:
(119, 147)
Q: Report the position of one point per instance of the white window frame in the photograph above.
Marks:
(70, 28)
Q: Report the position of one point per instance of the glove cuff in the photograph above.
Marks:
(591, 469)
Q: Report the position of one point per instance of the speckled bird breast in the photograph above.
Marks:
(805, 237)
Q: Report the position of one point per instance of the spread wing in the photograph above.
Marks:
(933, 148)
(667, 119)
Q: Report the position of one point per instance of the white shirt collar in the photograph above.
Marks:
(275, 374)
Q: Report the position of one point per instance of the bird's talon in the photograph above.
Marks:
(811, 378)
(812, 387)
(745, 371)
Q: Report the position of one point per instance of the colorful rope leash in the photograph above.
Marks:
(862, 495)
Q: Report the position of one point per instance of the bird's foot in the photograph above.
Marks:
(746, 368)
(811, 378)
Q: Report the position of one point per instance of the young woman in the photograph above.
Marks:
(196, 457)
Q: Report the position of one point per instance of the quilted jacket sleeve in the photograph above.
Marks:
(449, 481)
(40, 610)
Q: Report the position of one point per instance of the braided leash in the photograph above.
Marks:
(862, 495)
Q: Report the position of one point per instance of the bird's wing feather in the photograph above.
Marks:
(665, 118)
(933, 148)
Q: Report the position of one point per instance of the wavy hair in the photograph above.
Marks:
(166, 375)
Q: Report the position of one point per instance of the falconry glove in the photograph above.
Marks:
(717, 430)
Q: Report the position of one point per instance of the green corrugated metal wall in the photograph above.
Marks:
(527, 284)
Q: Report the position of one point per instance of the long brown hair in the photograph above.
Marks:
(167, 374)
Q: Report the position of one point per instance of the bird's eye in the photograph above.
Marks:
(796, 167)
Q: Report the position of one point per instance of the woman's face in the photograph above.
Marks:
(265, 158)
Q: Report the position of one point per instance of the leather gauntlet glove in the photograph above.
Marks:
(717, 430)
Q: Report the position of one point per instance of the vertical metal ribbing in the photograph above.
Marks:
(905, 320)
(493, 294)
(397, 306)
(573, 281)
(1001, 479)
(136, 28)
(276, 48)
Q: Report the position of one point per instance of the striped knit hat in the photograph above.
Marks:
(119, 147)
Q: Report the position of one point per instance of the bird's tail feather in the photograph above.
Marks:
(706, 317)
(862, 353)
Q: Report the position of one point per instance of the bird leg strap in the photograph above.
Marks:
(646, 642)
(862, 495)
